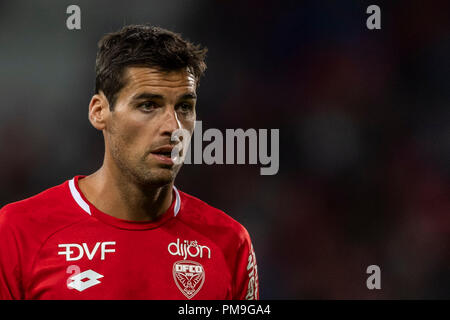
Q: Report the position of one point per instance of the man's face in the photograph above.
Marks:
(148, 109)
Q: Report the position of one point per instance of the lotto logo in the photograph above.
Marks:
(84, 280)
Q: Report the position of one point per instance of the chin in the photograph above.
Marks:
(158, 177)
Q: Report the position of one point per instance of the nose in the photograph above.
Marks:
(170, 122)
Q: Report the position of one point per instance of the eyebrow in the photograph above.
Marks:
(147, 95)
(189, 96)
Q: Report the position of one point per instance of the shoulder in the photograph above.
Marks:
(198, 213)
(45, 199)
(45, 210)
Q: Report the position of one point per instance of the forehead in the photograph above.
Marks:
(141, 78)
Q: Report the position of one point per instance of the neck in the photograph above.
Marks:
(114, 194)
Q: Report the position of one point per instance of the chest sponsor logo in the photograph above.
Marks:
(188, 249)
(189, 277)
(74, 251)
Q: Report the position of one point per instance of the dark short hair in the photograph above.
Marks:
(147, 46)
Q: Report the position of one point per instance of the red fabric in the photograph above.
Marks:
(131, 260)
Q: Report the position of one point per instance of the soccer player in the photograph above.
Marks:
(125, 231)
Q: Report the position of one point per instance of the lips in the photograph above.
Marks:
(163, 154)
(164, 151)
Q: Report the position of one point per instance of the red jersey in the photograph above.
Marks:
(57, 245)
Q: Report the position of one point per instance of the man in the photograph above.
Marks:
(125, 231)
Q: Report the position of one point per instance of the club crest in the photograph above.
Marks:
(189, 277)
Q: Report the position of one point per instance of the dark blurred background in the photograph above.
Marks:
(363, 116)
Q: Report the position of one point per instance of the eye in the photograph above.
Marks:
(185, 107)
(148, 106)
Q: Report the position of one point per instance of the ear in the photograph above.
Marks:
(99, 111)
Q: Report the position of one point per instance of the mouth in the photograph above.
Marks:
(163, 154)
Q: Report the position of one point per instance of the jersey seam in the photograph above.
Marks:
(20, 265)
(240, 248)
(223, 256)
(45, 241)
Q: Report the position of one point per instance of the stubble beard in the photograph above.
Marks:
(141, 170)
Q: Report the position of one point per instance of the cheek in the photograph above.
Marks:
(133, 136)
(189, 124)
